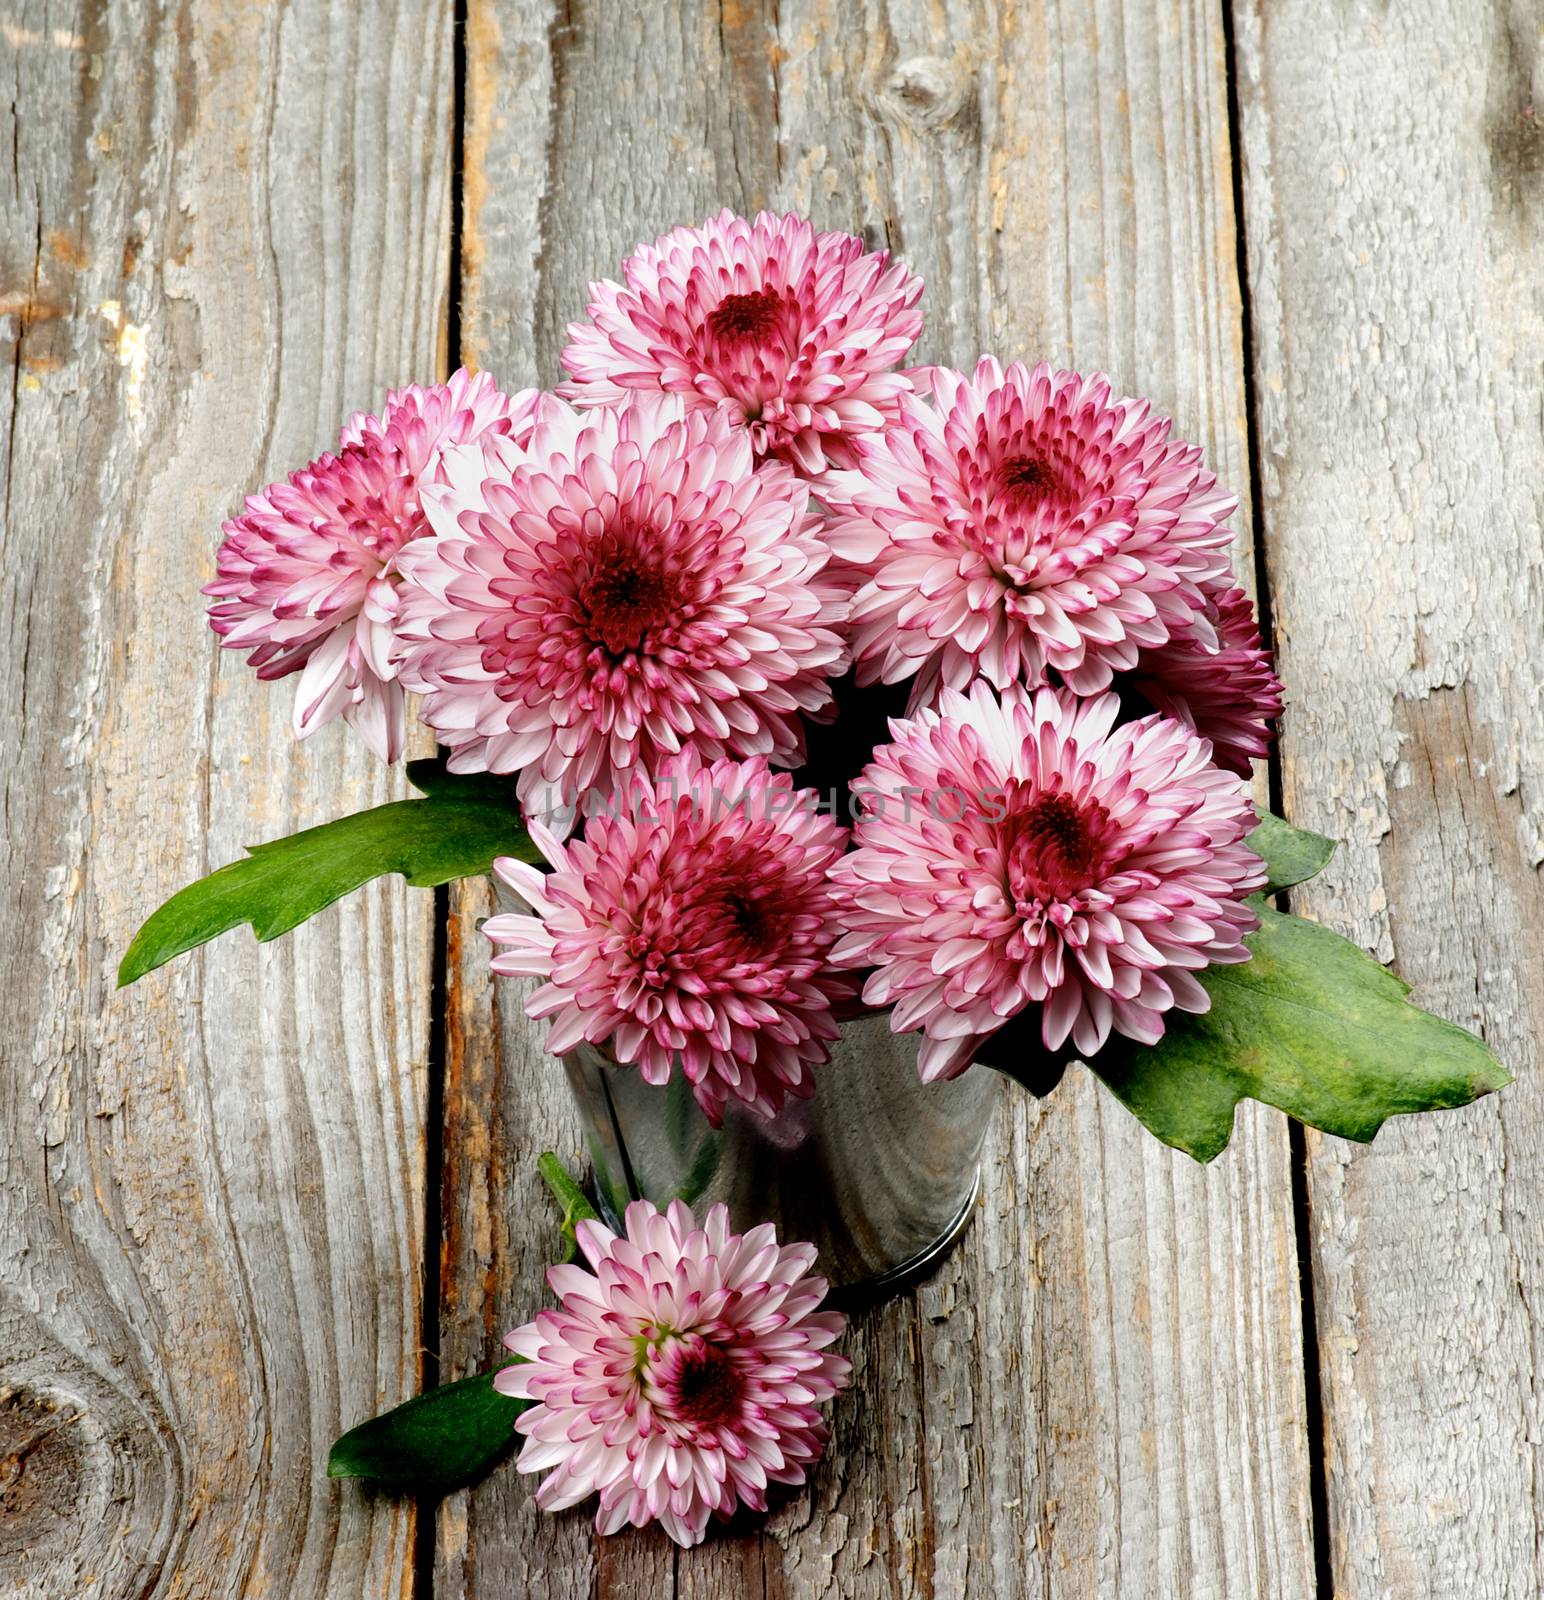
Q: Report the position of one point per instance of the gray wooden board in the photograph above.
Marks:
(1394, 172)
(225, 226)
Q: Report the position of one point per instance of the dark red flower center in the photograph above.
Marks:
(740, 319)
(752, 918)
(622, 599)
(1056, 845)
(1027, 478)
(1034, 474)
(707, 1388)
(749, 918)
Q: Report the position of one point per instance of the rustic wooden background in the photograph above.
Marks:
(270, 1190)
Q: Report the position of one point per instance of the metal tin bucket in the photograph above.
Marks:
(879, 1170)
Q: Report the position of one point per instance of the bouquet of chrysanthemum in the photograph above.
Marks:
(777, 682)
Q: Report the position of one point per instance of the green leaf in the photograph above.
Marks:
(1311, 1025)
(440, 1440)
(454, 832)
(1291, 855)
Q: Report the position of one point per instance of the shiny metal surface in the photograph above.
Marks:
(879, 1170)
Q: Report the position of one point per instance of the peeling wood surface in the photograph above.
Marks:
(1394, 166)
(227, 226)
(1101, 1393)
(224, 227)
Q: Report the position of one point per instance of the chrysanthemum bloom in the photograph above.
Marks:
(1024, 851)
(1229, 695)
(1023, 523)
(680, 1377)
(421, 422)
(793, 333)
(306, 574)
(692, 920)
(622, 585)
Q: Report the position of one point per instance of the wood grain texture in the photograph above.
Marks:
(225, 226)
(1395, 192)
(1101, 1392)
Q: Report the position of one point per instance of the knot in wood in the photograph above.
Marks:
(930, 92)
(43, 1466)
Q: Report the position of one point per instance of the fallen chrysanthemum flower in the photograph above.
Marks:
(680, 1376)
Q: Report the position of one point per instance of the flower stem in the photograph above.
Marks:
(576, 1208)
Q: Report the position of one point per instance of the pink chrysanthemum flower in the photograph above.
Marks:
(1229, 695)
(1024, 523)
(680, 1377)
(306, 574)
(422, 422)
(1024, 851)
(620, 586)
(793, 333)
(692, 920)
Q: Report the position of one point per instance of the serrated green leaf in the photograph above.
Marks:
(1311, 1025)
(455, 831)
(1291, 855)
(441, 1440)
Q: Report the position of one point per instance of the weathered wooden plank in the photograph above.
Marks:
(1101, 1392)
(226, 226)
(1395, 195)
